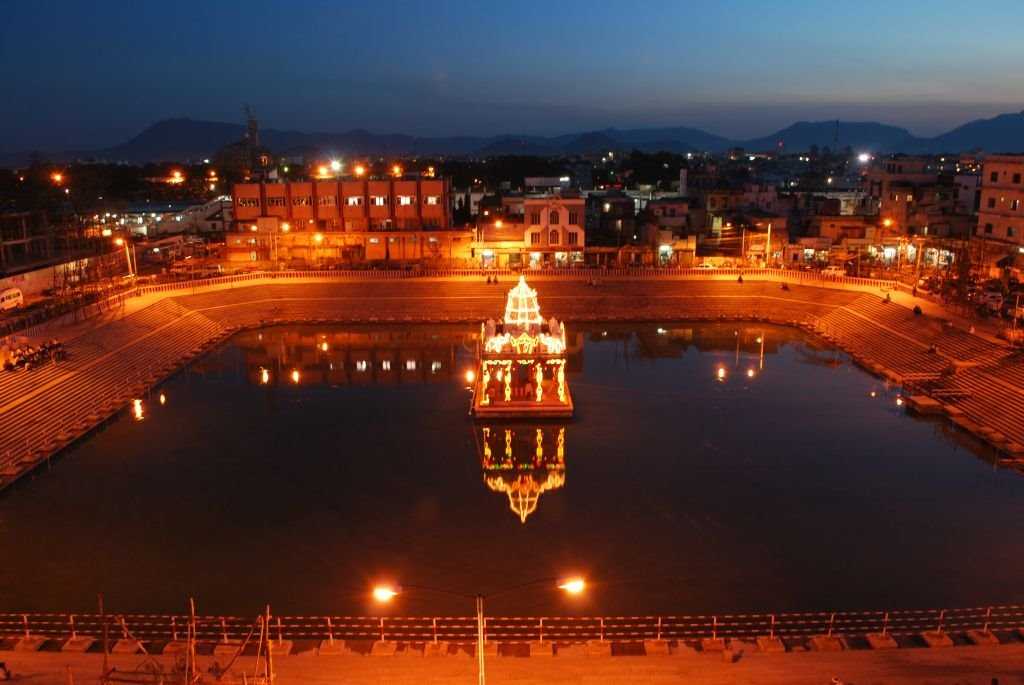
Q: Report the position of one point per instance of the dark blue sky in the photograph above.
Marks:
(88, 74)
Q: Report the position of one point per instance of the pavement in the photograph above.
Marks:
(921, 666)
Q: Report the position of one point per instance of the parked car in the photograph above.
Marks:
(833, 271)
(10, 299)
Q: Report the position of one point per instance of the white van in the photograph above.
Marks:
(833, 271)
(11, 298)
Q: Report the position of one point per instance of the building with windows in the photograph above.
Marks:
(549, 232)
(1001, 214)
(322, 223)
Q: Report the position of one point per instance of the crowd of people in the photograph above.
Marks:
(25, 357)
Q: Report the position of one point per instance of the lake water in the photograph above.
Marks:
(709, 468)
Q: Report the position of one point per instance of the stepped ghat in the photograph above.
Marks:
(976, 383)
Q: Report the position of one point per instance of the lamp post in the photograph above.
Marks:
(574, 586)
(127, 255)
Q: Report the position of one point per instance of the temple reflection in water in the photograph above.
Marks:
(522, 461)
(360, 355)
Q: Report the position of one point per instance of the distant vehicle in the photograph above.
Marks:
(210, 271)
(833, 271)
(706, 265)
(11, 299)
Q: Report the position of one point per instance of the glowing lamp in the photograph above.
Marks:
(360, 170)
(384, 593)
(470, 375)
(319, 237)
(396, 170)
(295, 376)
(574, 586)
(335, 166)
(721, 373)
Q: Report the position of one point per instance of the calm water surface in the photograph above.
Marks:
(709, 468)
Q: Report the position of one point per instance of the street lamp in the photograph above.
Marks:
(384, 594)
(127, 255)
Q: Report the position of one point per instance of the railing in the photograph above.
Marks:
(226, 629)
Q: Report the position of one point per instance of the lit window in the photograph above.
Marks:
(433, 199)
(535, 238)
(386, 365)
(553, 238)
(362, 366)
(574, 238)
(435, 367)
(379, 200)
(354, 200)
(410, 364)
(374, 241)
(406, 200)
(1015, 205)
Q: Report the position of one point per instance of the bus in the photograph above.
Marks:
(11, 298)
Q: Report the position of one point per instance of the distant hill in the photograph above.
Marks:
(190, 139)
(866, 135)
(1003, 133)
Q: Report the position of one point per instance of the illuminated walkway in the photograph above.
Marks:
(117, 360)
(956, 665)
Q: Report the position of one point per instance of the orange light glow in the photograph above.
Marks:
(360, 170)
(295, 376)
(253, 228)
(285, 227)
(137, 410)
(498, 223)
(470, 375)
(319, 237)
(396, 170)
(119, 241)
(322, 171)
(163, 399)
(384, 593)
(264, 376)
(323, 346)
(720, 374)
(887, 222)
(750, 373)
(176, 177)
(57, 177)
(574, 586)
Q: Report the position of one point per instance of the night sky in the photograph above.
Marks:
(88, 74)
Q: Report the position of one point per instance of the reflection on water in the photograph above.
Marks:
(719, 467)
(523, 462)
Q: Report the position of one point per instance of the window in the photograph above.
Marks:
(433, 200)
(574, 218)
(1009, 231)
(410, 364)
(553, 238)
(302, 200)
(553, 218)
(379, 201)
(1016, 178)
(325, 200)
(361, 366)
(248, 202)
(354, 200)
(535, 218)
(1015, 205)
(991, 203)
(535, 238)
(988, 228)
(406, 200)
(276, 201)
(994, 177)
(574, 238)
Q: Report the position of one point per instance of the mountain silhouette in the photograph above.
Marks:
(184, 139)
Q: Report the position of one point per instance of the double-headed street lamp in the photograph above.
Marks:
(384, 594)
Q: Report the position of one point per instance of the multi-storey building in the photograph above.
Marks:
(550, 231)
(345, 221)
(1001, 214)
